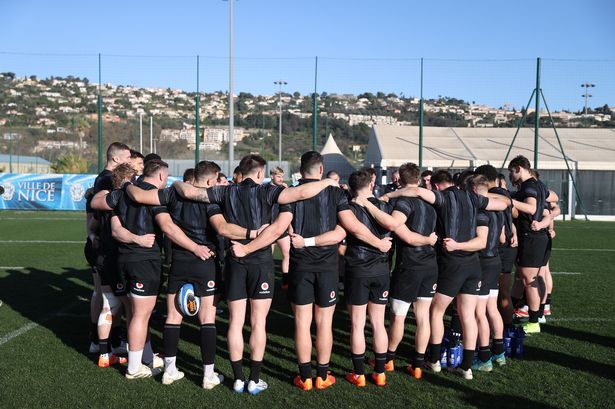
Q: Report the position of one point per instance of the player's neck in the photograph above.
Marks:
(311, 176)
(366, 193)
(411, 185)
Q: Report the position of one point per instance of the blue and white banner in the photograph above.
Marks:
(46, 191)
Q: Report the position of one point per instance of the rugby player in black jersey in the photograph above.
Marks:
(530, 201)
(313, 276)
(488, 316)
(277, 178)
(508, 244)
(416, 270)
(201, 223)
(117, 153)
(250, 276)
(458, 264)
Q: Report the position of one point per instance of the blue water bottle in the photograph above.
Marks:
(508, 337)
(459, 354)
(520, 348)
(444, 353)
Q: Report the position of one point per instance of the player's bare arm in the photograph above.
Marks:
(177, 236)
(352, 225)
(477, 243)
(123, 235)
(304, 191)
(329, 238)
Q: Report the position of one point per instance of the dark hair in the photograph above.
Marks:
(205, 169)
(409, 173)
(520, 161)
(237, 170)
(249, 163)
(122, 173)
(115, 148)
(477, 181)
(153, 166)
(426, 173)
(371, 171)
(501, 178)
(359, 180)
(309, 161)
(441, 176)
(331, 173)
(135, 154)
(151, 156)
(188, 175)
(487, 171)
(221, 175)
(462, 180)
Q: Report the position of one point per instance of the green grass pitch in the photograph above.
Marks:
(45, 285)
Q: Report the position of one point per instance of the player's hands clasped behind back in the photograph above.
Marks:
(146, 241)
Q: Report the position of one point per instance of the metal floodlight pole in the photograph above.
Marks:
(197, 122)
(280, 83)
(537, 119)
(151, 134)
(231, 131)
(100, 128)
(421, 121)
(141, 132)
(315, 109)
(586, 95)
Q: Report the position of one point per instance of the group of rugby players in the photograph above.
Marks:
(452, 239)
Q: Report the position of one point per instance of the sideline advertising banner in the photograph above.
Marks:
(46, 191)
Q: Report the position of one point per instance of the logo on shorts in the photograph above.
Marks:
(385, 294)
(332, 295)
(264, 286)
(479, 284)
(119, 286)
(211, 284)
(139, 285)
(435, 286)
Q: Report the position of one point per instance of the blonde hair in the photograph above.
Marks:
(276, 171)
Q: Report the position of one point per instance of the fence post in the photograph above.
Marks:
(100, 128)
(537, 113)
(315, 109)
(421, 121)
(197, 122)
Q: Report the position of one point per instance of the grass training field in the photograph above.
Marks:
(44, 362)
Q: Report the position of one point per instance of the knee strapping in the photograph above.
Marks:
(111, 306)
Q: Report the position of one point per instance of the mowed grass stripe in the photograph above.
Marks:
(570, 360)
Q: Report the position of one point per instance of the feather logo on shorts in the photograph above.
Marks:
(385, 294)
(211, 284)
(480, 283)
(332, 295)
(264, 286)
(139, 285)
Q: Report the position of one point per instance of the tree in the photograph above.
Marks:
(70, 163)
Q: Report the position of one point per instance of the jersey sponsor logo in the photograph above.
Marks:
(211, 284)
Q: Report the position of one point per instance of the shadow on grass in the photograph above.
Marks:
(578, 335)
(486, 400)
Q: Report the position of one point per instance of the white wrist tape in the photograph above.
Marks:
(310, 241)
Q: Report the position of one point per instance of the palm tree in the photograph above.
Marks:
(70, 163)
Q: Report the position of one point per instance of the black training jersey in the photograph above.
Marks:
(192, 217)
(494, 223)
(311, 218)
(421, 219)
(506, 215)
(457, 210)
(102, 182)
(536, 189)
(360, 256)
(248, 205)
(140, 220)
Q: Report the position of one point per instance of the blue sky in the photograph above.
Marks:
(481, 51)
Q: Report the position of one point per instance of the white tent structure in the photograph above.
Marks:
(590, 153)
(335, 160)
